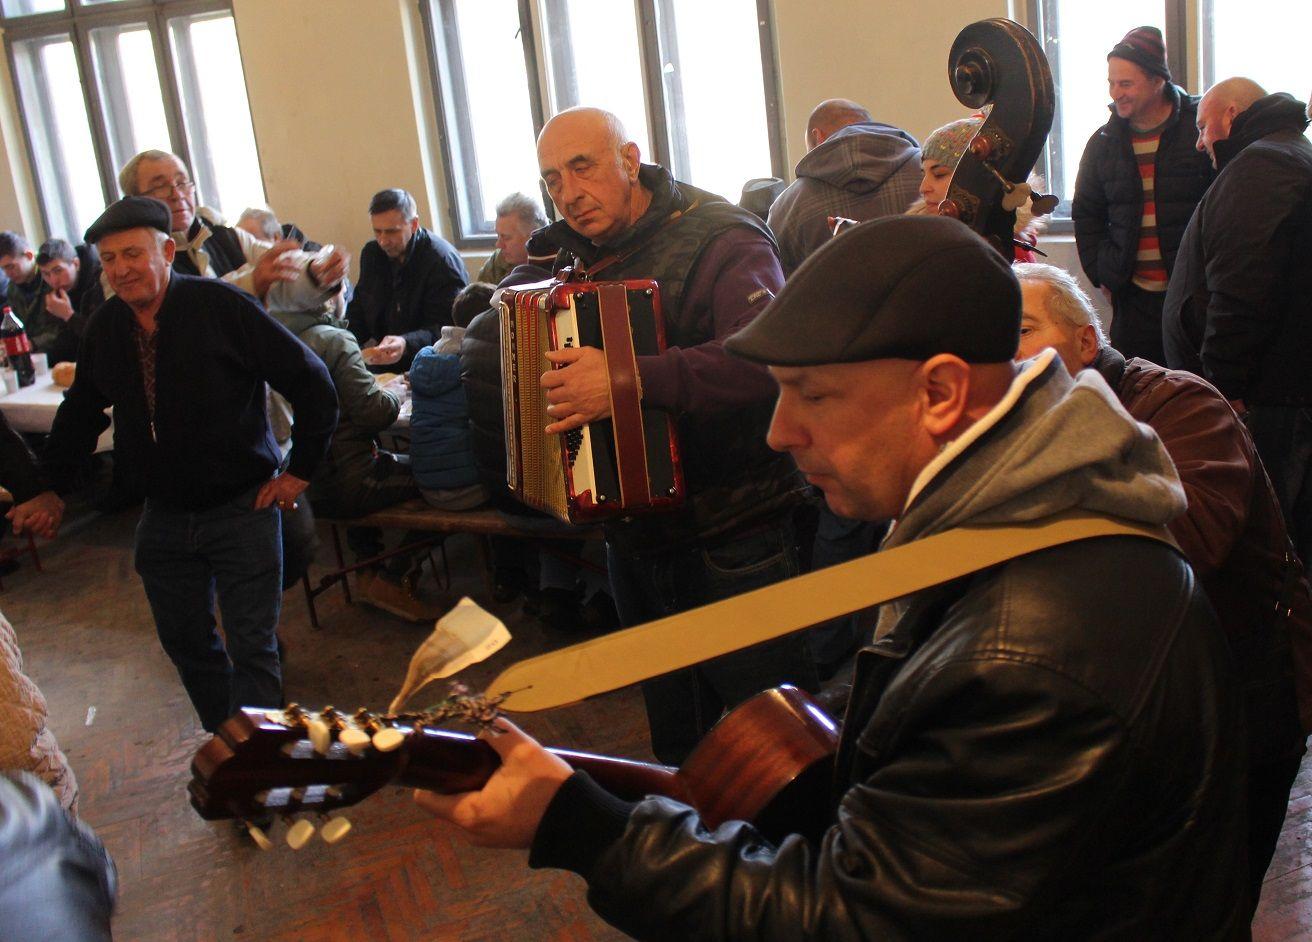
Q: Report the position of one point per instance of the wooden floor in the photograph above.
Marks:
(88, 640)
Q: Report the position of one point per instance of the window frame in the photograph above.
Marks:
(1180, 45)
(77, 21)
(655, 32)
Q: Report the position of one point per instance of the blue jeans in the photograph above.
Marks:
(684, 705)
(185, 559)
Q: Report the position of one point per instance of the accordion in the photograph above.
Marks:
(625, 464)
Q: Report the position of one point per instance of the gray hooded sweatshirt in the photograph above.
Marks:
(862, 172)
(1053, 444)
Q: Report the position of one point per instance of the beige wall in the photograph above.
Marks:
(336, 111)
(889, 56)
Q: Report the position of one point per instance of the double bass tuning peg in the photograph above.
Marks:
(1044, 203)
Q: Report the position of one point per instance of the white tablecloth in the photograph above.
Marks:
(33, 408)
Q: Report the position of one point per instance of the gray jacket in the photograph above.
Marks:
(862, 172)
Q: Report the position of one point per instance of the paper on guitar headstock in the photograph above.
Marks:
(465, 635)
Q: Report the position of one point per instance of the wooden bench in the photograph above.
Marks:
(483, 523)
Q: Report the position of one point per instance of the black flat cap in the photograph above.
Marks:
(900, 287)
(131, 212)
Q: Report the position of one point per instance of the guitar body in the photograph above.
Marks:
(769, 761)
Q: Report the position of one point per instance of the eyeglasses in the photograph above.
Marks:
(165, 190)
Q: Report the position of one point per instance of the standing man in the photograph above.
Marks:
(854, 167)
(717, 269)
(409, 278)
(1050, 748)
(1139, 181)
(518, 216)
(1239, 311)
(184, 361)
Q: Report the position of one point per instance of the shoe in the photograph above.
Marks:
(397, 598)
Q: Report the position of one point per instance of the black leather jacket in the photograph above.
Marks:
(1049, 749)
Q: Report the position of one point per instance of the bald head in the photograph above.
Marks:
(1217, 110)
(831, 116)
(590, 168)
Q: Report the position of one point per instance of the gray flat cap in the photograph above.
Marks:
(900, 287)
(131, 212)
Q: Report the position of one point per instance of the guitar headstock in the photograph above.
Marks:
(265, 763)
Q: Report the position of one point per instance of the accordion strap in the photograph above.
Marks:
(625, 396)
(591, 272)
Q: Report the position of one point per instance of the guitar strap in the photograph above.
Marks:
(668, 644)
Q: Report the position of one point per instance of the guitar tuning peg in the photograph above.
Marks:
(1015, 198)
(388, 739)
(321, 735)
(1044, 203)
(299, 834)
(258, 836)
(335, 830)
(355, 740)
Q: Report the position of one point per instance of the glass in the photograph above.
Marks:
(165, 190)
(487, 102)
(715, 46)
(67, 172)
(123, 59)
(594, 59)
(1077, 35)
(28, 7)
(1240, 40)
(215, 112)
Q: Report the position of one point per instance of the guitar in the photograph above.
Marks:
(769, 761)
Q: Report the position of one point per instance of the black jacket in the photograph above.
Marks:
(19, 473)
(1108, 205)
(1239, 307)
(209, 439)
(411, 301)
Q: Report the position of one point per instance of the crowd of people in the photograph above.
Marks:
(1095, 740)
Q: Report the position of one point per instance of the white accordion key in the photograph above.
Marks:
(388, 740)
(299, 834)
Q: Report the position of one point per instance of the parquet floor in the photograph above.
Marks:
(88, 640)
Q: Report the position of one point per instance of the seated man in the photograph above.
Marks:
(26, 291)
(263, 224)
(72, 277)
(409, 277)
(518, 216)
(1050, 748)
(1232, 533)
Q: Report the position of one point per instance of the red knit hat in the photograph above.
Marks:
(1145, 47)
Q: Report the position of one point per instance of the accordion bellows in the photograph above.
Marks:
(626, 464)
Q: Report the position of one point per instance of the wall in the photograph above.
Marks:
(338, 110)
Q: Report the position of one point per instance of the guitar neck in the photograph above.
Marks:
(450, 762)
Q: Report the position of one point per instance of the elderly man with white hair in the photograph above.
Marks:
(1232, 533)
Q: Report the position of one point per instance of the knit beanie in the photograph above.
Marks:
(1145, 47)
(948, 143)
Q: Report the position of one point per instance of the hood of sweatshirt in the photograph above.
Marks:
(861, 157)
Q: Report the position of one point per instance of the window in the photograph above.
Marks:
(101, 80)
(665, 67)
(1262, 39)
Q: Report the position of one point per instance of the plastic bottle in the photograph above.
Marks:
(18, 349)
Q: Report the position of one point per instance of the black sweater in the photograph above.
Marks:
(209, 439)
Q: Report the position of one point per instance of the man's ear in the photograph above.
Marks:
(1087, 339)
(944, 393)
(632, 159)
(169, 248)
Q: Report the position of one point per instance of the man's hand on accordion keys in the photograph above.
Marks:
(577, 388)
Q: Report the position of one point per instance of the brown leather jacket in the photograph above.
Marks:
(1234, 536)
